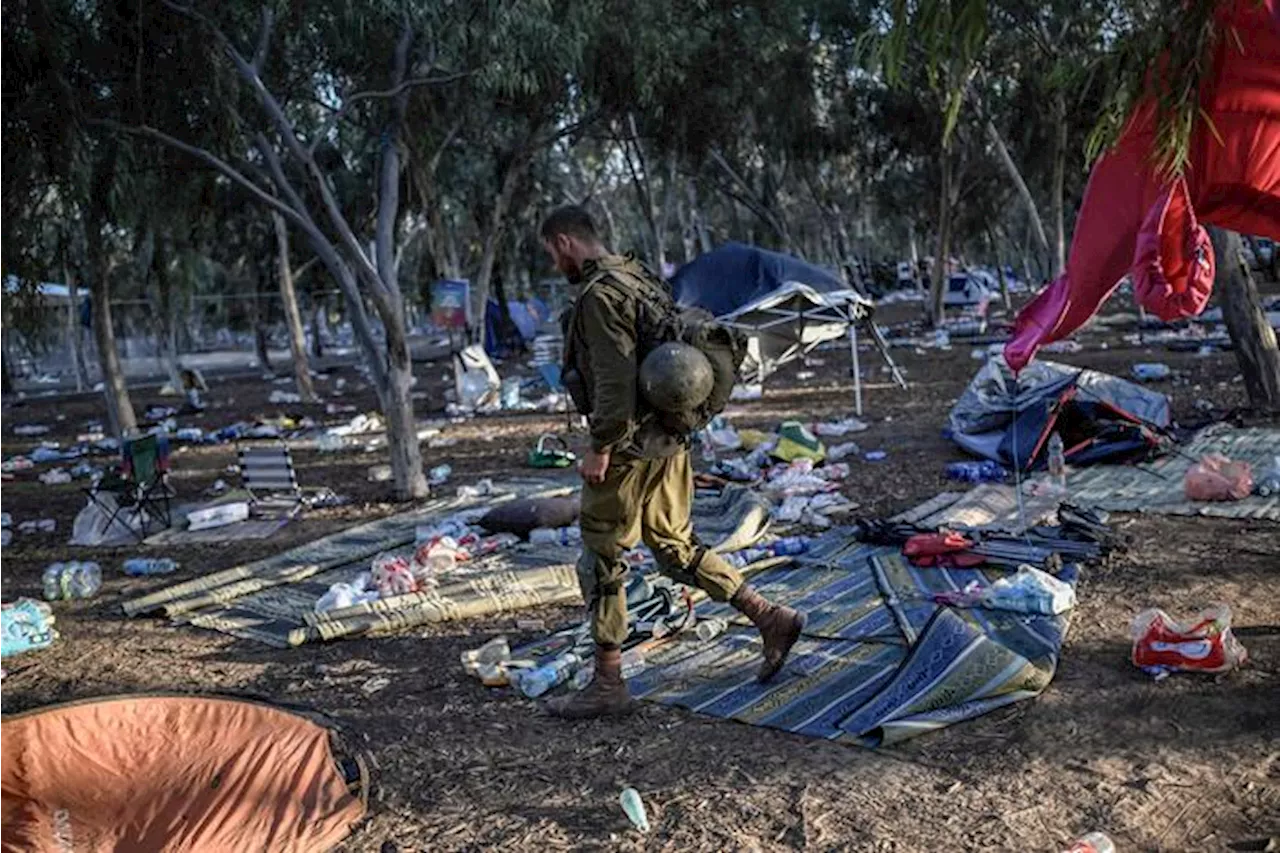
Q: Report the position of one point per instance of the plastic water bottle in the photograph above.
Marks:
(439, 475)
(634, 808)
(790, 546)
(633, 663)
(1057, 463)
(537, 681)
(1094, 842)
(135, 566)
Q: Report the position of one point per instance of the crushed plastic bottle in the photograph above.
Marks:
(136, 566)
(1152, 371)
(484, 488)
(496, 650)
(790, 546)
(1093, 842)
(66, 581)
(439, 475)
(535, 682)
(634, 808)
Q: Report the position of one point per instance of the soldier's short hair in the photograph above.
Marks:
(571, 220)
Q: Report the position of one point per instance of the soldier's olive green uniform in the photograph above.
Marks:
(648, 490)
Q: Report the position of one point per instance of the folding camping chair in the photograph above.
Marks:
(141, 485)
(269, 476)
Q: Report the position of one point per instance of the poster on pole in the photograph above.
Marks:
(451, 303)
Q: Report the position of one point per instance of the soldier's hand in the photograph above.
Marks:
(593, 466)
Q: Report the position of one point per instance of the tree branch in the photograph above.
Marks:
(226, 169)
(264, 39)
(348, 102)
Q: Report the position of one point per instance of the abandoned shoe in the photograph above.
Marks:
(779, 626)
(606, 696)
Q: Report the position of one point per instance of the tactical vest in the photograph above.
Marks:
(658, 321)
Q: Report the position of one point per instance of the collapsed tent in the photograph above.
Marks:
(786, 305)
(175, 773)
(1100, 417)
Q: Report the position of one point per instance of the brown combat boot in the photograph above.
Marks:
(606, 696)
(779, 626)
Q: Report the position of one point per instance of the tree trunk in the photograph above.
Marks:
(943, 254)
(292, 316)
(495, 230)
(75, 334)
(318, 323)
(1252, 335)
(1057, 201)
(1019, 184)
(695, 216)
(119, 407)
(6, 362)
(168, 328)
(260, 311)
(409, 481)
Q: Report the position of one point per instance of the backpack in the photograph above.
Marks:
(659, 320)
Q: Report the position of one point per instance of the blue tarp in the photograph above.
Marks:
(735, 274)
(526, 316)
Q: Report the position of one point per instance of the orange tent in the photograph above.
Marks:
(174, 773)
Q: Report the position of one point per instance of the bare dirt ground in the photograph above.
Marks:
(1186, 764)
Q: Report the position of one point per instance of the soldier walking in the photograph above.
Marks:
(637, 477)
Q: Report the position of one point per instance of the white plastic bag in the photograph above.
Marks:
(91, 525)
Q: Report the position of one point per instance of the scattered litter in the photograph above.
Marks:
(143, 566)
(46, 454)
(373, 685)
(839, 428)
(875, 455)
(842, 451)
(804, 375)
(56, 477)
(1151, 371)
(380, 473)
(41, 525)
(159, 413)
(634, 807)
(26, 625)
(986, 471)
(65, 581)
(218, 487)
(709, 629)
(30, 429)
(551, 451)
(343, 595)
(281, 396)
(218, 516)
(360, 425)
(556, 536)
(1065, 346)
(99, 521)
(441, 442)
(482, 489)
(192, 434)
(439, 475)
(392, 575)
(1094, 842)
(1268, 484)
(795, 441)
(1217, 478)
(746, 392)
(531, 625)
(329, 443)
(16, 463)
(1030, 590)
(720, 435)
(1204, 644)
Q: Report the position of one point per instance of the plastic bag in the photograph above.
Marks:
(1030, 591)
(392, 575)
(1217, 478)
(1203, 644)
(91, 524)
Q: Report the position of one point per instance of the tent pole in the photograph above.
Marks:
(857, 370)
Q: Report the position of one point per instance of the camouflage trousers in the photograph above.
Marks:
(649, 500)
